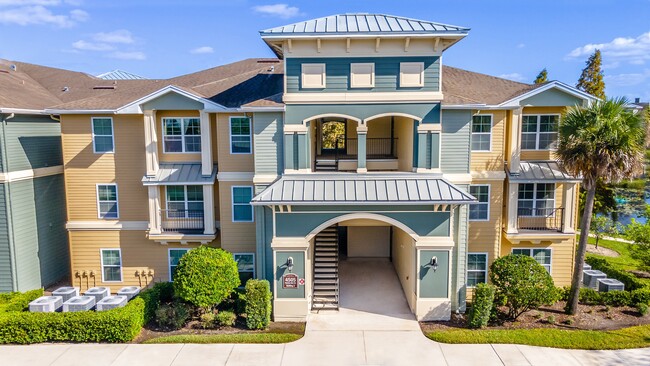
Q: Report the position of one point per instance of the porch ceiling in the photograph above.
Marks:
(366, 189)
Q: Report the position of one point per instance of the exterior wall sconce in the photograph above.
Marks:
(433, 263)
(289, 264)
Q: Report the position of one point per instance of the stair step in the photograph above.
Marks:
(325, 249)
(324, 293)
(325, 276)
(320, 265)
(324, 306)
(319, 288)
(326, 243)
(326, 270)
(325, 254)
(323, 259)
(329, 281)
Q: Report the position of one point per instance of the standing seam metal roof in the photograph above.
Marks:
(179, 173)
(540, 171)
(346, 189)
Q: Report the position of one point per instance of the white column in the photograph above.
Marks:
(155, 219)
(513, 195)
(206, 145)
(151, 142)
(208, 209)
(569, 204)
(515, 140)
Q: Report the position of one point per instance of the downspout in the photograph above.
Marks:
(9, 211)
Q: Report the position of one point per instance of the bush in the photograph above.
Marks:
(589, 296)
(226, 318)
(117, 325)
(161, 292)
(18, 301)
(521, 284)
(550, 319)
(172, 316)
(630, 281)
(207, 320)
(642, 308)
(563, 293)
(616, 298)
(206, 276)
(641, 296)
(482, 302)
(258, 304)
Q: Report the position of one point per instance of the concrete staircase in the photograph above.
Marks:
(326, 270)
(326, 165)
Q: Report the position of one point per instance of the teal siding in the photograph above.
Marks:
(337, 72)
(6, 278)
(268, 143)
(429, 112)
(459, 265)
(298, 269)
(455, 148)
(32, 142)
(552, 98)
(434, 284)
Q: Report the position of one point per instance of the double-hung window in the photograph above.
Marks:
(111, 265)
(240, 135)
(182, 135)
(539, 132)
(480, 211)
(107, 207)
(174, 258)
(481, 132)
(536, 199)
(103, 135)
(476, 268)
(245, 266)
(184, 201)
(542, 256)
(242, 210)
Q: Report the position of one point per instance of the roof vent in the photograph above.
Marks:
(272, 68)
(13, 67)
(65, 89)
(102, 87)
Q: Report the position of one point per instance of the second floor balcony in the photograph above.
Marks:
(182, 221)
(540, 219)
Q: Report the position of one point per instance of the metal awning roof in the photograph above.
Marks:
(366, 189)
(540, 172)
(180, 174)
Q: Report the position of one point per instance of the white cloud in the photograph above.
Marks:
(515, 76)
(202, 50)
(628, 79)
(121, 55)
(92, 46)
(118, 36)
(278, 10)
(29, 2)
(626, 49)
(35, 12)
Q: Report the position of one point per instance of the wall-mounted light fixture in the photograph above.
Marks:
(433, 263)
(289, 264)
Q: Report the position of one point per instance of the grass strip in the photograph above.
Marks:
(227, 338)
(633, 337)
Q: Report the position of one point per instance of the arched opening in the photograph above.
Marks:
(334, 142)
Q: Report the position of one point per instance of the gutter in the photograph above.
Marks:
(21, 111)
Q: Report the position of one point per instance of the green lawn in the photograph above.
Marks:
(625, 259)
(633, 337)
(228, 338)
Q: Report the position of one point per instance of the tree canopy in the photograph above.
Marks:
(591, 80)
(542, 77)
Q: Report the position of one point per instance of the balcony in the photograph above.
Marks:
(540, 219)
(182, 221)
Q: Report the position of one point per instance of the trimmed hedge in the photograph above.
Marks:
(117, 325)
(18, 301)
(631, 282)
(589, 296)
(482, 302)
(161, 292)
(258, 304)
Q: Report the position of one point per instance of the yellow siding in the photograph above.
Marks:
(84, 169)
(231, 162)
(173, 157)
(561, 257)
(379, 128)
(404, 135)
(235, 236)
(492, 160)
(485, 236)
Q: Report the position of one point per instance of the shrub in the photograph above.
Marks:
(239, 297)
(616, 298)
(589, 296)
(521, 284)
(630, 281)
(172, 316)
(641, 296)
(226, 318)
(207, 320)
(161, 292)
(117, 325)
(563, 293)
(550, 319)
(18, 301)
(206, 276)
(258, 304)
(482, 302)
(642, 308)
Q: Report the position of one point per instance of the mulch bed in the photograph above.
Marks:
(151, 331)
(588, 317)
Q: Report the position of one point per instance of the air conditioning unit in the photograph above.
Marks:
(610, 284)
(111, 302)
(98, 292)
(585, 267)
(46, 304)
(590, 278)
(66, 292)
(130, 292)
(79, 303)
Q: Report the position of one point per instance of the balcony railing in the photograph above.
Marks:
(182, 221)
(540, 219)
(376, 148)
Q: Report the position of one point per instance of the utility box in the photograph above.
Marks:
(66, 292)
(98, 292)
(586, 267)
(79, 303)
(129, 291)
(111, 302)
(610, 284)
(46, 304)
(590, 278)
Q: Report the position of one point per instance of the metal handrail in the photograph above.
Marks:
(181, 221)
(541, 219)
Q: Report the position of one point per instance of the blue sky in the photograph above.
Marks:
(512, 39)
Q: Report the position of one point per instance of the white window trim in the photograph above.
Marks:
(182, 135)
(534, 200)
(117, 201)
(323, 76)
(482, 203)
(101, 258)
(538, 130)
(487, 259)
(254, 263)
(401, 74)
(92, 132)
(186, 202)
(250, 135)
(372, 74)
(483, 133)
(232, 203)
(169, 260)
(530, 254)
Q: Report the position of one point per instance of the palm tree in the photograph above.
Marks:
(602, 141)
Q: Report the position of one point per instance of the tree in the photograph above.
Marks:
(601, 141)
(640, 234)
(591, 79)
(332, 131)
(601, 226)
(542, 77)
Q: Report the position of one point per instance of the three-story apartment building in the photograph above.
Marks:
(355, 142)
